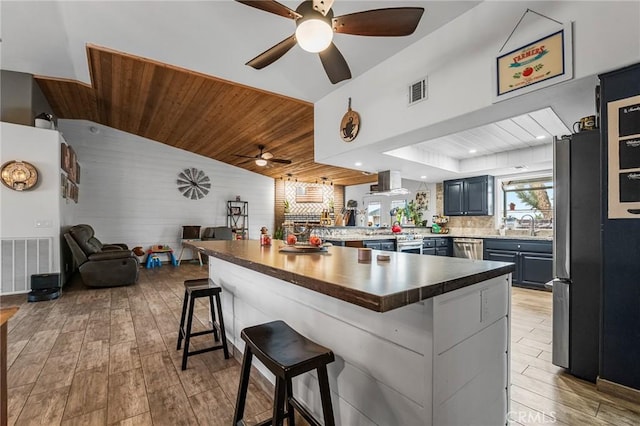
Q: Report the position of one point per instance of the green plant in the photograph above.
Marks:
(413, 212)
(286, 206)
(278, 234)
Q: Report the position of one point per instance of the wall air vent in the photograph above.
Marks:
(418, 91)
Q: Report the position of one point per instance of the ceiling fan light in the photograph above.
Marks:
(261, 162)
(314, 35)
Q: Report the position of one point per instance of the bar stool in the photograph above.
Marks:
(193, 289)
(287, 354)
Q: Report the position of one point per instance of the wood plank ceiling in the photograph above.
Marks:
(195, 112)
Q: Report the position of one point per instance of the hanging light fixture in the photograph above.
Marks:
(261, 162)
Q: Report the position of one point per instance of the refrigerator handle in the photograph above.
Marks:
(561, 208)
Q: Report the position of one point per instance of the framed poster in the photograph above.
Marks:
(624, 158)
(539, 64)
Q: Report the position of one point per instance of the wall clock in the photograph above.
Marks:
(193, 183)
(19, 175)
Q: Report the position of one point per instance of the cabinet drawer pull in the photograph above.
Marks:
(634, 211)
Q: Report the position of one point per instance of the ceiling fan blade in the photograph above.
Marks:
(334, 64)
(245, 156)
(398, 21)
(280, 160)
(270, 56)
(322, 6)
(272, 7)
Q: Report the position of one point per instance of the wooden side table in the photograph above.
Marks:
(182, 251)
(5, 314)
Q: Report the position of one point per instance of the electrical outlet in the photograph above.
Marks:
(484, 305)
(43, 223)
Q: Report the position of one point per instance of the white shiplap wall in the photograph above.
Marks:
(128, 190)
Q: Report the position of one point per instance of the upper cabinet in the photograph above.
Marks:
(469, 197)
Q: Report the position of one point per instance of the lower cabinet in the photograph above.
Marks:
(533, 259)
(536, 268)
(436, 246)
(504, 256)
(386, 245)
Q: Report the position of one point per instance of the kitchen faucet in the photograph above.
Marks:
(533, 223)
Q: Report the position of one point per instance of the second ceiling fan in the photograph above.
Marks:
(264, 158)
(315, 25)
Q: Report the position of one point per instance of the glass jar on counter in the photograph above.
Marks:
(265, 240)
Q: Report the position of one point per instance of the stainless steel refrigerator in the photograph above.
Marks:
(577, 253)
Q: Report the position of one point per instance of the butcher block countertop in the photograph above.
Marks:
(376, 285)
(7, 313)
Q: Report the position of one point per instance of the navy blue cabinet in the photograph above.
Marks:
(386, 245)
(468, 197)
(436, 246)
(511, 256)
(533, 259)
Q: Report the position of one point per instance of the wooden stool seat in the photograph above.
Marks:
(193, 289)
(287, 354)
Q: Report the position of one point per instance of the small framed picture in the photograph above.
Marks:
(235, 210)
(63, 185)
(65, 157)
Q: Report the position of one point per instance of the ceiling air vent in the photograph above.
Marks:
(418, 91)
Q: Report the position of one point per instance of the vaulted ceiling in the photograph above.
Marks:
(195, 112)
(174, 72)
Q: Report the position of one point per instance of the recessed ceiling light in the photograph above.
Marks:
(423, 177)
(358, 164)
(473, 151)
(540, 137)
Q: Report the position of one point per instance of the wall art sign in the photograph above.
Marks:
(19, 175)
(536, 65)
(624, 158)
(350, 124)
(308, 194)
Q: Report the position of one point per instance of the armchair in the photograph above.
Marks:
(101, 265)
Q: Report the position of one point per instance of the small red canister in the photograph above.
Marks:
(265, 239)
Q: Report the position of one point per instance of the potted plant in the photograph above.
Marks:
(414, 212)
(286, 206)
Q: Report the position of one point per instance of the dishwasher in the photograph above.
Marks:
(469, 248)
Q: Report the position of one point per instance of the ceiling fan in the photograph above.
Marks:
(315, 25)
(264, 158)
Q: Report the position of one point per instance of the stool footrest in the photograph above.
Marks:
(199, 333)
(201, 351)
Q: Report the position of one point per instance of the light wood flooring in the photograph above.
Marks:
(108, 357)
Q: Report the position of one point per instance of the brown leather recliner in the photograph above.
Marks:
(101, 265)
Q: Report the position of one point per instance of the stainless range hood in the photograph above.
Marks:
(390, 183)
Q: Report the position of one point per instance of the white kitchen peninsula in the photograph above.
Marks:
(419, 340)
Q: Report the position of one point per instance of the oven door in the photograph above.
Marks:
(414, 247)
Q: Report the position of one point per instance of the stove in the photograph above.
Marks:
(409, 243)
